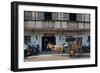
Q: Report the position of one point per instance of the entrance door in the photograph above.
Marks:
(45, 41)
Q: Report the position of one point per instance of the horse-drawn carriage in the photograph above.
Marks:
(71, 49)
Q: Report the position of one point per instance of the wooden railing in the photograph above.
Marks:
(56, 25)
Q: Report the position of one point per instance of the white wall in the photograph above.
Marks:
(33, 38)
(60, 40)
(5, 17)
(38, 40)
(84, 41)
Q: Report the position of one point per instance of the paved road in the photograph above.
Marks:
(49, 57)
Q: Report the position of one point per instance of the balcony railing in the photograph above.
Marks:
(56, 25)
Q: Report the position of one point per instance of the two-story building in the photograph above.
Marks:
(55, 27)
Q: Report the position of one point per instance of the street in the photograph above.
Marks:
(50, 57)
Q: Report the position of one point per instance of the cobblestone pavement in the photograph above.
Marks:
(50, 57)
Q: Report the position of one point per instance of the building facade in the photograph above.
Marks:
(55, 27)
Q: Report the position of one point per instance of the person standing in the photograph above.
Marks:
(25, 50)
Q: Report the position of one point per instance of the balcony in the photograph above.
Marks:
(56, 25)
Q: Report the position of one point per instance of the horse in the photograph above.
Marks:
(74, 48)
(55, 48)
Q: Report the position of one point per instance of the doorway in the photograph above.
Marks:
(45, 41)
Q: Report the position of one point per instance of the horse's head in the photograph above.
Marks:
(50, 46)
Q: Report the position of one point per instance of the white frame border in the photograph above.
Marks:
(22, 64)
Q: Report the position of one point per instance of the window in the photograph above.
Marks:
(83, 17)
(27, 15)
(54, 16)
(65, 16)
(87, 17)
(39, 15)
(72, 17)
(27, 39)
(60, 16)
(79, 17)
(47, 16)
